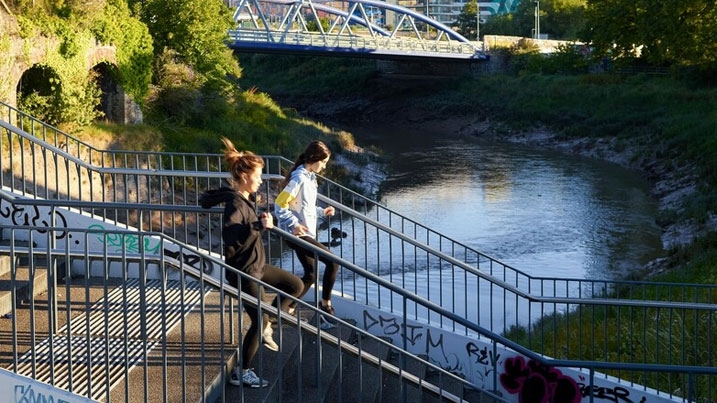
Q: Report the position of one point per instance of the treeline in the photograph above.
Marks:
(679, 33)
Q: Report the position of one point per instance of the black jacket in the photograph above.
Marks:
(243, 247)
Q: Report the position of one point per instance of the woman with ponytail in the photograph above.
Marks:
(297, 212)
(244, 251)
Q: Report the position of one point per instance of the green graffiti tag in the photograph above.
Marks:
(127, 242)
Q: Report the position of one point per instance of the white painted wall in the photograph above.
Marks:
(21, 389)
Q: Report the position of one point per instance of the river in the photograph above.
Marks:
(543, 212)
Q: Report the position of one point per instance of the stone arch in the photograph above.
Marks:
(39, 85)
(117, 106)
(105, 74)
(25, 58)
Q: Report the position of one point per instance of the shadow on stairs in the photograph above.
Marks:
(351, 368)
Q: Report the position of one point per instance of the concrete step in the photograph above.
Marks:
(28, 282)
(5, 264)
(360, 379)
(301, 382)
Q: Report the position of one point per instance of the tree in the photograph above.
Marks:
(195, 30)
(562, 19)
(76, 25)
(559, 19)
(662, 32)
(466, 23)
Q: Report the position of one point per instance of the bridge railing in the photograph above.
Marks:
(368, 43)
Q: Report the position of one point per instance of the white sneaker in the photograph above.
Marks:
(250, 379)
(268, 338)
(326, 321)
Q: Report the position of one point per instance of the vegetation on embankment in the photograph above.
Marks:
(171, 60)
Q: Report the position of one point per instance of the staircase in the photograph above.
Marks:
(352, 368)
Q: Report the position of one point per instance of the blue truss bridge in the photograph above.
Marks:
(352, 28)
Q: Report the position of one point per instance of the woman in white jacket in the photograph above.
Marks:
(297, 212)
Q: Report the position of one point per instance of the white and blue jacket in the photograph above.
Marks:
(296, 204)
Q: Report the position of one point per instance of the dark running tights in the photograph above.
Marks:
(306, 257)
(281, 279)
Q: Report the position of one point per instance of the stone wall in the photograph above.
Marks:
(19, 54)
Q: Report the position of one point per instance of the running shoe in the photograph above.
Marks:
(249, 378)
(327, 321)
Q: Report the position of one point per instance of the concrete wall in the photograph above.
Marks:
(503, 41)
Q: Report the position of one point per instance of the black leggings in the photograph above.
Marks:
(306, 257)
(281, 279)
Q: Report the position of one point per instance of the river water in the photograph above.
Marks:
(543, 212)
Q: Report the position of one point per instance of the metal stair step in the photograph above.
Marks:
(454, 387)
(393, 387)
(265, 365)
(300, 380)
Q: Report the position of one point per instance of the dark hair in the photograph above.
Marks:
(240, 162)
(315, 151)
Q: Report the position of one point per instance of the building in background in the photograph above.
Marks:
(447, 11)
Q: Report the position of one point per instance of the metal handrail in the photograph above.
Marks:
(494, 337)
(78, 204)
(329, 185)
(218, 285)
(342, 206)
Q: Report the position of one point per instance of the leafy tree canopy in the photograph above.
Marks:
(662, 32)
(559, 19)
(466, 24)
(195, 31)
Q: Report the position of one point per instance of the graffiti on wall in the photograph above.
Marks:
(497, 369)
(21, 215)
(427, 340)
(125, 242)
(534, 382)
(130, 243)
(35, 216)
